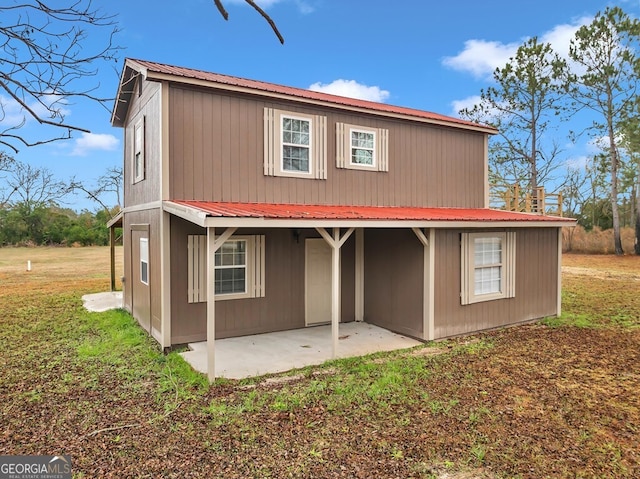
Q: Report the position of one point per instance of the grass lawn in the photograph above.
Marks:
(558, 398)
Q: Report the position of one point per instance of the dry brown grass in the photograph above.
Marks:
(577, 240)
(606, 266)
(57, 269)
(558, 398)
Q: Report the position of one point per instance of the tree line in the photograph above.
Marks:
(32, 210)
(538, 94)
(533, 103)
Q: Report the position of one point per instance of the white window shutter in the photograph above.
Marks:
(464, 269)
(320, 147)
(197, 268)
(269, 142)
(258, 266)
(383, 149)
(342, 158)
(510, 264)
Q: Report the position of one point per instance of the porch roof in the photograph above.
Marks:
(207, 213)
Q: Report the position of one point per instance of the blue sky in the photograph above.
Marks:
(423, 54)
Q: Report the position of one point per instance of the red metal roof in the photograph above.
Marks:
(334, 212)
(189, 73)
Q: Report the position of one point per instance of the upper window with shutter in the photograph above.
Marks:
(362, 148)
(295, 144)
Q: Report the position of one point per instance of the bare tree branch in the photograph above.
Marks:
(110, 183)
(268, 19)
(46, 64)
(33, 186)
(258, 9)
(221, 9)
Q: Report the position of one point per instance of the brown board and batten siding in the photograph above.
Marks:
(216, 142)
(147, 106)
(394, 280)
(152, 219)
(536, 284)
(281, 308)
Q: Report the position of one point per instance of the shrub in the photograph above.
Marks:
(577, 240)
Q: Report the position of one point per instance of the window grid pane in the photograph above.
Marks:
(144, 272)
(296, 142)
(488, 280)
(361, 157)
(295, 158)
(231, 268)
(488, 251)
(362, 147)
(230, 280)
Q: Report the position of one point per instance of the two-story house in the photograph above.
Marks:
(252, 207)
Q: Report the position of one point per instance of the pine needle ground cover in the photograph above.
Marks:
(557, 398)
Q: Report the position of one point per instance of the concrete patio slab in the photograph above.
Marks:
(247, 356)
(100, 302)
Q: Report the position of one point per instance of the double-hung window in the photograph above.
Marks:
(488, 266)
(231, 268)
(295, 144)
(238, 270)
(362, 148)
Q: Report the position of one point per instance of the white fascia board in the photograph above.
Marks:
(226, 221)
(193, 215)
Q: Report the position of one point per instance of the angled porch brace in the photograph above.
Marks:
(428, 295)
(336, 241)
(213, 245)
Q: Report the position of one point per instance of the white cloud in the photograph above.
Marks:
(577, 162)
(352, 89)
(482, 57)
(13, 114)
(560, 35)
(304, 7)
(94, 141)
(468, 102)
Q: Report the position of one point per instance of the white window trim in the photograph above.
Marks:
(344, 147)
(273, 159)
(197, 269)
(468, 267)
(309, 147)
(248, 268)
(144, 258)
(138, 148)
(374, 150)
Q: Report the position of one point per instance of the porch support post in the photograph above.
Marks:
(559, 298)
(211, 304)
(431, 313)
(336, 243)
(359, 306)
(112, 251)
(428, 281)
(212, 247)
(165, 278)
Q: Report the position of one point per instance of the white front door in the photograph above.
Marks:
(317, 281)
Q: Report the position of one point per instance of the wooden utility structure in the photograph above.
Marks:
(232, 185)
